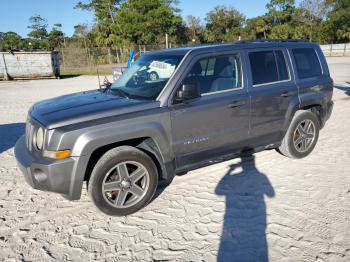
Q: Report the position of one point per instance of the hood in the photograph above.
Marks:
(85, 106)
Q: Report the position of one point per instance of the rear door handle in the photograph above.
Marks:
(235, 104)
(287, 93)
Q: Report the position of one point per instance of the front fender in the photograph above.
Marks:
(89, 141)
(157, 127)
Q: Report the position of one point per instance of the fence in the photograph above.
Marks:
(78, 59)
(88, 59)
(336, 49)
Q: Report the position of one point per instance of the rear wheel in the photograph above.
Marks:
(123, 181)
(302, 135)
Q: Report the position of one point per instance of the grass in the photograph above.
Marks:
(87, 73)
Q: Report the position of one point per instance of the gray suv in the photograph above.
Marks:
(207, 104)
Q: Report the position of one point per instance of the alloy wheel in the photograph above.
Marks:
(304, 135)
(125, 184)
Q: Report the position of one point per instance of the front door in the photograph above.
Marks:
(216, 123)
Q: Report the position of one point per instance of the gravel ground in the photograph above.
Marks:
(240, 210)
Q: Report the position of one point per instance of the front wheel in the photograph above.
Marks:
(301, 136)
(123, 181)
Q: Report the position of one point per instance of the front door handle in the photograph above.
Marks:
(235, 104)
(287, 93)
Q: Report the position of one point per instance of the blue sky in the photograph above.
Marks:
(15, 13)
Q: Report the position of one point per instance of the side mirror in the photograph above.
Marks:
(187, 92)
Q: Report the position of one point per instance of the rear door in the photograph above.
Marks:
(272, 89)
(218, 121)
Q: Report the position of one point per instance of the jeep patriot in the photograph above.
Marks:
(173, 111)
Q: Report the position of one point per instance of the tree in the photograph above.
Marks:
(309, 17)
(147, 21)
(105, 10)
(338, 5)
(316, 8)
(56, 36)
(257, 27)
(11, 41)
(38, 25)
(80, 30)
(283, 31)
(105, 13)
(336, 28)
(224, 24)
(195, 28)
(280, 11)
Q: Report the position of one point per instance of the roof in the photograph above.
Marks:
(230, 46)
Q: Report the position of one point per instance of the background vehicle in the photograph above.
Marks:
(220, 102)
(161, 69)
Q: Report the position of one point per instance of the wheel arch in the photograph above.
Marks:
(313, 106)
(317, 110)
(146, 144)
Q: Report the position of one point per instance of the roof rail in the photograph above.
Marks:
(271, 40)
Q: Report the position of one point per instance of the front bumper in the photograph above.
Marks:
(46, 174)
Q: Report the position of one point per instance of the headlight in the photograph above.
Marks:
(39, 138)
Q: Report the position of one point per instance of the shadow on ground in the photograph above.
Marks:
(9, 134)
(346, 89)
(69, 75)
(244, 231)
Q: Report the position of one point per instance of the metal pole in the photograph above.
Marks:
(6, 76)
(109, 55)
(63, 59)
(117, 53)
(344, 50)
(166, 41)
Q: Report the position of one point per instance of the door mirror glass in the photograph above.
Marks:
(187, 92)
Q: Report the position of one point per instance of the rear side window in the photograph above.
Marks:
(307, 63)
(268, 67)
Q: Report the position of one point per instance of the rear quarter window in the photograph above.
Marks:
(307, 63)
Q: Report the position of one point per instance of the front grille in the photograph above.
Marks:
(29, 135)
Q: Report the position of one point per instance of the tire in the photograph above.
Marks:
(129, 180)
(301, 136)
(153, 76)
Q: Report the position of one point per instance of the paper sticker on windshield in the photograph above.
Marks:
(161, 65)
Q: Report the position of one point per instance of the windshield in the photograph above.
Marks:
(147, 77)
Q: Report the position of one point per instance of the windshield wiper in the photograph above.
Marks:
(122, 93)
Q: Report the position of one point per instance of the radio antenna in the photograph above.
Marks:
(98, 76)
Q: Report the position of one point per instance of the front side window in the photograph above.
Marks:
(216, 74)
(147, 77)
(307, 63)
(268, 67)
